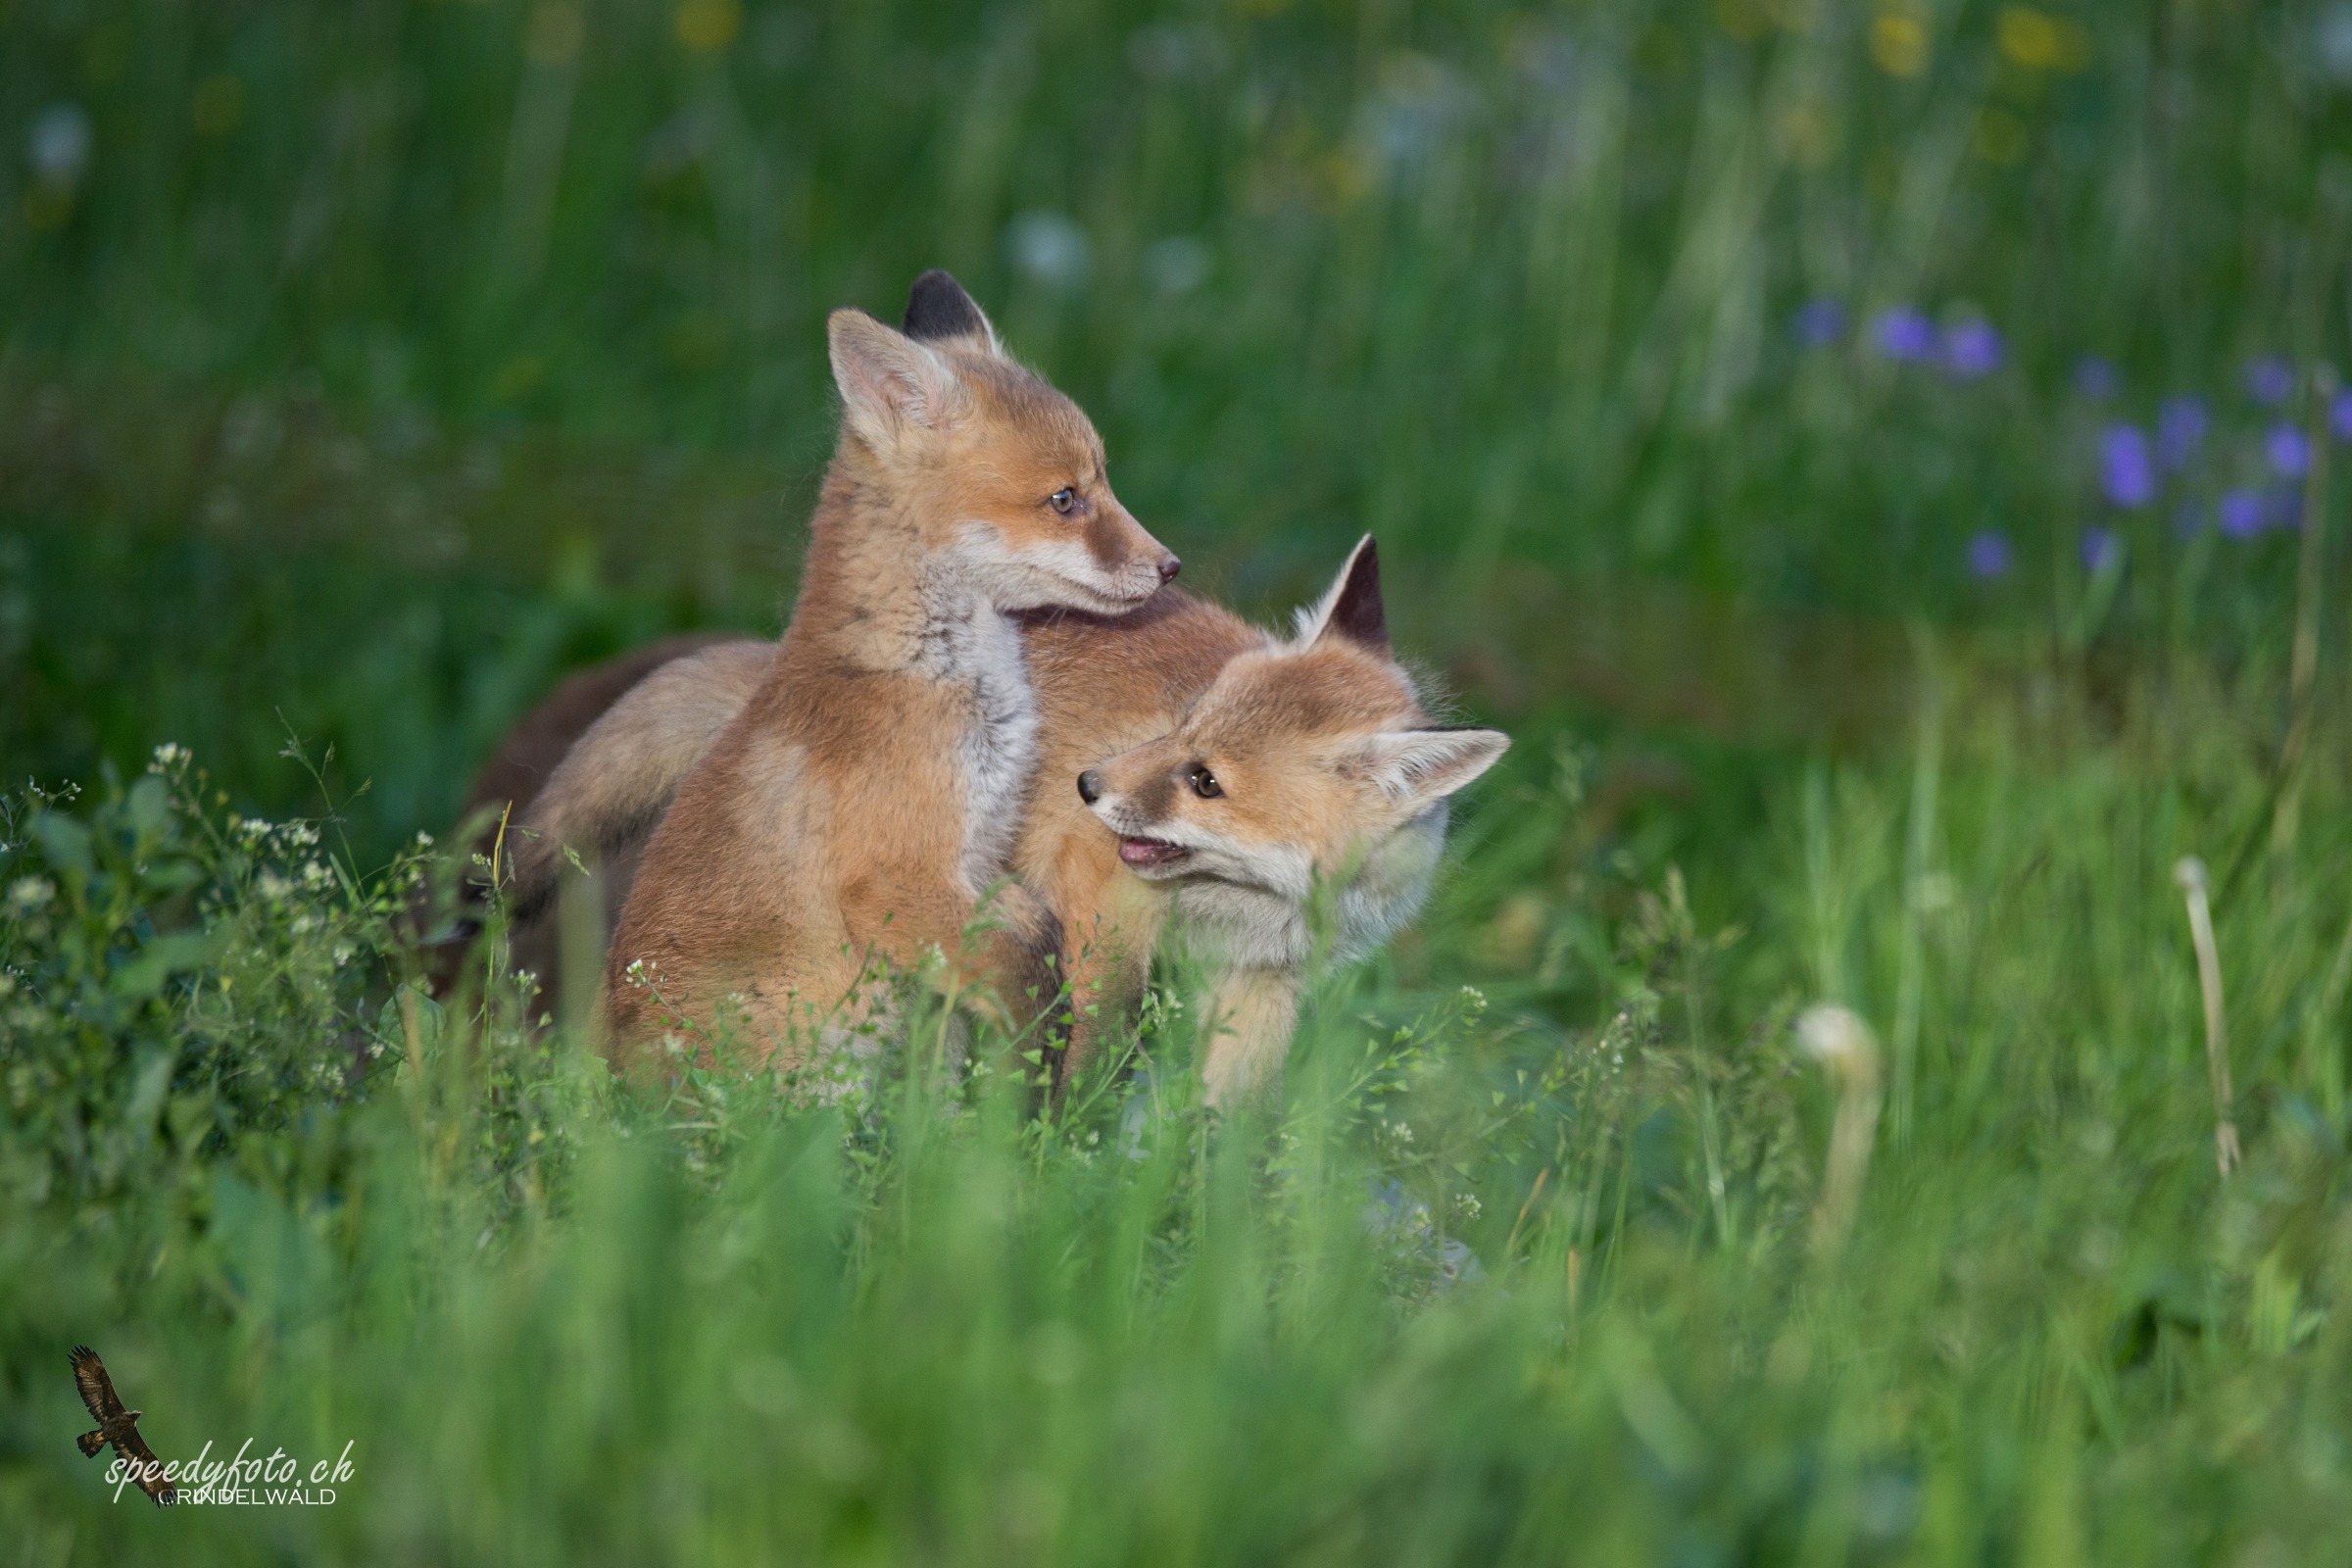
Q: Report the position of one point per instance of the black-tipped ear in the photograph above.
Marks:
(938, 310)
(1352, 608)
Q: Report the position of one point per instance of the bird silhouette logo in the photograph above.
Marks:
(118, 1426)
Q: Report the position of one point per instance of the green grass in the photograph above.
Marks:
(381, 361)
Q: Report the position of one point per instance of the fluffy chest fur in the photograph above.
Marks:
(1259, 928)
(973, 654)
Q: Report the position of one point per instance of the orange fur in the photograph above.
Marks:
(1316, 741)
(1304, 763)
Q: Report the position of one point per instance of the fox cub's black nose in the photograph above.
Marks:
(1169, 566)
(1089, 786)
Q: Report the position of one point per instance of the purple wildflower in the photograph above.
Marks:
(1818, 323)
(1971, 349)
(2127, 467)
(2287, 448)
(2339, 416)
(2240, 514)
(2095, 378)
(2180, 430)
(1988, 556)
(2269, 380)
(2101, 549)
(1904, 333)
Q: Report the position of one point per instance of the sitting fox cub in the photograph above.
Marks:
(1304, 759)
(1183, 756)
(864, 799)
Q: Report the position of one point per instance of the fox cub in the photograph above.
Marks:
(1305, 760)
(1185, 758)
(865, 797)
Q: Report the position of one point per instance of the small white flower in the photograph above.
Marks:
(58, 146)
(1177, 264)
(168, 757)
(1051, 249)
(1837, 1036)
(30, 893)
(424, 839)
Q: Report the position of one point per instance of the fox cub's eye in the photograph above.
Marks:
(1063, 501)
(1205, 783)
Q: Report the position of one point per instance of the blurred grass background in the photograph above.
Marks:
(1736, 391)
(374, 364)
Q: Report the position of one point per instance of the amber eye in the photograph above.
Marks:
(1205, 783)
(1063, 501)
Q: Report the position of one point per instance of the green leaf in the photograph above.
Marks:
(148, 1088)
(66, 842)
(172, 876)
(159, 959)
(148, 807)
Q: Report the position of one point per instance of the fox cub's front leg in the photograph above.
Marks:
(1249, 1019)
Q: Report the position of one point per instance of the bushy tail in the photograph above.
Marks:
(614, 785)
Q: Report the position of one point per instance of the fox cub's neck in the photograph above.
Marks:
(885, 603)
(973, 649)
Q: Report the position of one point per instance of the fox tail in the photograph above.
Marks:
(612, 788)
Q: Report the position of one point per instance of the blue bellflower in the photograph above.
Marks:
(2240, 514)
(2181, 424)
(2269, 380)
(1988, 556)
(1970, 350)
(1904, 333)
(1818, 323)
(2126, 466)
(2287, 448)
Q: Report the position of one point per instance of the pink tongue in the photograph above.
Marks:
(1144, 851)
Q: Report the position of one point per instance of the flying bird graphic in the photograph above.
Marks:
(118, 1426)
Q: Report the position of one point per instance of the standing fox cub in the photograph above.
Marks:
(1241, 767)
(865, 798)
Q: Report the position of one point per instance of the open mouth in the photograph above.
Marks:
(1145, 854)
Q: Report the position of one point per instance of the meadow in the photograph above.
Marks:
(1875, 459)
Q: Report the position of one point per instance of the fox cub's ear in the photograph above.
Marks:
(889, 381)
(939, 311)
(1351, 607)
(1417, 766)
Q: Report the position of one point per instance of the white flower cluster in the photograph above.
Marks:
(257, 833)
